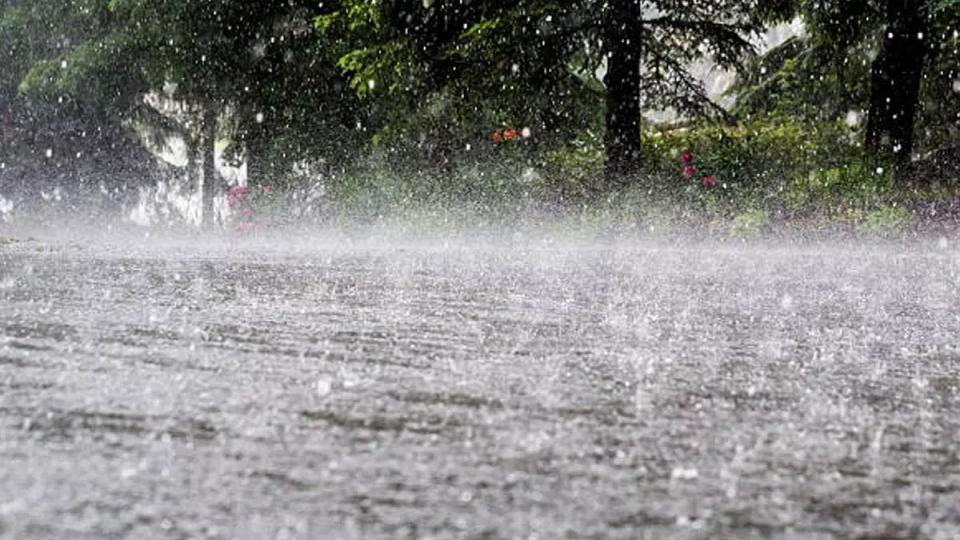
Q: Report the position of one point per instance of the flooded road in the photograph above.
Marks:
(519, 391)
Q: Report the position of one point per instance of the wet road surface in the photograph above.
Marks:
(524, 391)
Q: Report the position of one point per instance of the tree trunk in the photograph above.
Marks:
(622, 140)
(194, 179)
(257, 145)
(895, 83)
(210, 183)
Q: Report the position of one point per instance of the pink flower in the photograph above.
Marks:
(689, 171)
(238, 192)
(266, 189)
(709, 181)
(687, 157)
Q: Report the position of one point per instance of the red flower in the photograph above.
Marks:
(709, 181)
(689, 171)
(687, 158)
(510, 134)
(496, 136)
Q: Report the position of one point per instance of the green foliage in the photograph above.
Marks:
(485, 65)
(755, 163)
(886, 219)
(573, 168)
(793, 79)
(824, 75)
(684, 32)
(939, 6)
(749, 223)
(377, 66)
(397, 99)
(857, 183)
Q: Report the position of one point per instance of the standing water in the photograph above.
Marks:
(519, 389)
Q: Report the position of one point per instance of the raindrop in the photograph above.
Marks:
(852, 119)
(49, 153)
(349, 379)
(684, 473)
(323, 386)
(259, 118)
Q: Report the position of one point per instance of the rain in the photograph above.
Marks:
(431, 269)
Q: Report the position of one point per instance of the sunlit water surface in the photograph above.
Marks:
(517, 389)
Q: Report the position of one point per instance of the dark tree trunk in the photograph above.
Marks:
(257, 146)
(208, 148)
(895, 83)
(622, 141)
(192, 142)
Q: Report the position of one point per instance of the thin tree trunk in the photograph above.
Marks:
(895, 83)
(622, 140)
(210, 183)
(194, 179)
(257, 166)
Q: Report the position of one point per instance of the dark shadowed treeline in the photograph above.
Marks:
(421, 93)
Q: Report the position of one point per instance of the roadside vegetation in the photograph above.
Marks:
(359, 109)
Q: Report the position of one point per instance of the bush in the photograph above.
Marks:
(858, 185)
(749, 223)
(887, 219)
(752, 162)
(761, 174)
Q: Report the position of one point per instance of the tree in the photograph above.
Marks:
(677, 34)
(622, 39)
(543, 54)
(246, 68)
(894, 59)
(236, 69)
(895, 80)
(440, 75)
(55, 125)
